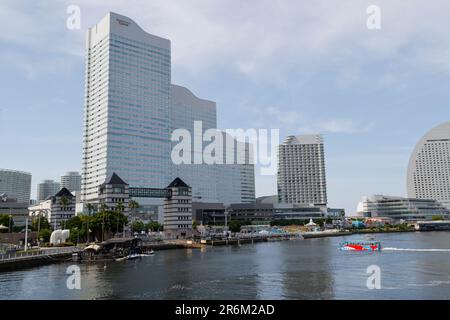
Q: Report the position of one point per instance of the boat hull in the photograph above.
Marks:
(349, 246)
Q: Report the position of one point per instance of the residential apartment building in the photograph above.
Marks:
(301, 170)
(47, 188)
(15, 184)
(71, 181)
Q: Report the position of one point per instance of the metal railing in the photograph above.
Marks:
(36, 253)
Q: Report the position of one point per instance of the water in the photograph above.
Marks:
(302, 269)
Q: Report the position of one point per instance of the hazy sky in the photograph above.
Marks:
(301, 66)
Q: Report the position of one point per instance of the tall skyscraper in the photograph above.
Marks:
(127, 117)
(227, 183)
(428, 175)
(46, 189)
(15, 184)
(71, 181)
(301, 170)
(186, 109)
(131, 110)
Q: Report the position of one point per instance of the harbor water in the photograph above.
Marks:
(412, 266)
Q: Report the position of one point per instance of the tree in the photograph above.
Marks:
(39, 223)
(64, 202)
(234, 226)
(105, 222)
(74, 235)
(154, 226)
(137, 226)
(132, 204)
(7, 221)
(120, 207)
(74, 223)
(90, 208)
(436, 218)
(194, 224)
(45, 234)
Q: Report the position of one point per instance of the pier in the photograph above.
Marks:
(36, 257)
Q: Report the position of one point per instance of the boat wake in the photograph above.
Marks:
(416, 250)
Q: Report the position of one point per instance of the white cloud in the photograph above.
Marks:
(261, 40)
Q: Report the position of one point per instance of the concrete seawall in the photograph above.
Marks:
(31, 259)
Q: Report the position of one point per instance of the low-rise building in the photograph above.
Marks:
(178, 210)
(399, 208)
(57, 209)
(294, 211)
(113, 194)
(207, 213)
(254, 212)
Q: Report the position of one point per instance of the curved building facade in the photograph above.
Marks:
(428, 175)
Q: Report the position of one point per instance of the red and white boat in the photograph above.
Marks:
(360, 246)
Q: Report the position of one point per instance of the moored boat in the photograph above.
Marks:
(360, 246)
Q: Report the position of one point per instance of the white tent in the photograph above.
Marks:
(311, 223)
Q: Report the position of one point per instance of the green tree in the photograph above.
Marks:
(132, 204)
(120, 207)
(90, 207)
(194, 224)
(436, 218)
(137, 226)
(39, 223)
(74, 222)
(44, 235)
(104, 223)
(74, 235)
(234, 226)
(64, 202)
(154, 226)
(7, 221)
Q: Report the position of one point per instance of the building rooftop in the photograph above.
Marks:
(178, 183)
(114, 179)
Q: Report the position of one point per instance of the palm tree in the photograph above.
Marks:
(133, 204)
(64, 202)
(120, 208)
(90, 208)
(103, 209)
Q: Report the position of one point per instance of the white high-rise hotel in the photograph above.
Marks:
(131, 109)
(301, 170)
(428, 175)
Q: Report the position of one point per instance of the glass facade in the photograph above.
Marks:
(127, 117)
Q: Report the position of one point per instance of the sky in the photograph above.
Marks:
(298, 66)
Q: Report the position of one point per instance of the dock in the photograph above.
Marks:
(36, 257)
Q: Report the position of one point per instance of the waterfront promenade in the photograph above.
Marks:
(44, 256)
(36, 257)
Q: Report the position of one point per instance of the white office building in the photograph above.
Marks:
(399, 208)
(127, 118)
(186, 111)
(301, 170)
(227, 182)
(71, 181)
(428, 175)
(47, 188)
(16, 185)
(131, 110)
